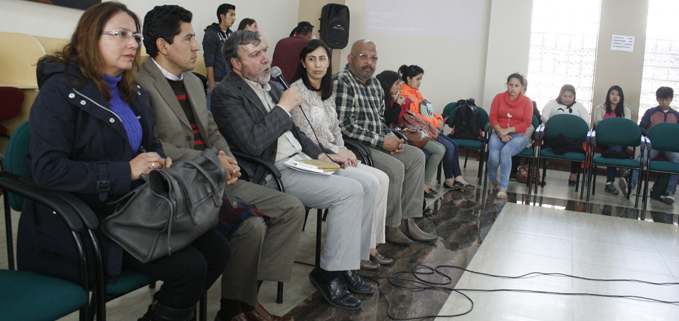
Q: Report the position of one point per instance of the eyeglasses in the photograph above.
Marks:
(124, 35)
(364, 57)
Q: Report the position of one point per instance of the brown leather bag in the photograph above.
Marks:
(522, 174)
(416, 137)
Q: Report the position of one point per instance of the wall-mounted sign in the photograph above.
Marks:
(622, 43)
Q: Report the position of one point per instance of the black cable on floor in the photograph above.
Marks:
(419, 284)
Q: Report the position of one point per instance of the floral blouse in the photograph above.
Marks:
(323, 117)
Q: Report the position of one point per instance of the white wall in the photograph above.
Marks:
(508, 45)
(275, 18)
(453, 68)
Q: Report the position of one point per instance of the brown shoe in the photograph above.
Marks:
(265, 315)
(414, 232)
(379, 258)
(369, 265)
(395, 236)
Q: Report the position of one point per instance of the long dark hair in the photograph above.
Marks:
(620, 108)
(387, 79)
(83, 49)
(300, 73)
(564, 89)
(409, 71)
(245, 22)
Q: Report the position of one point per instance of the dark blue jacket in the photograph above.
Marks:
(80, 146)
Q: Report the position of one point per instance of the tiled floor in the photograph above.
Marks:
(552, 231)
(528, 239)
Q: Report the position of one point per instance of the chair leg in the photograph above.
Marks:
(319, 232)
(203, 308)
(438, 172)
(279, 296)
(465, 158)
(577, 180)
(306, 215)
(645, 198)
(594, 181)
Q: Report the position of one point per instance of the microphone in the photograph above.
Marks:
(278, 74)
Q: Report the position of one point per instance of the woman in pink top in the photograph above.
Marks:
(510, 114)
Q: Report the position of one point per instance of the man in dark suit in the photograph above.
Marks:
(255, 119)
(261, 251)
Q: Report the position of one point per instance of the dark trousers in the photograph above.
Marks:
(610, 171)
(451, 162)
(187, 273)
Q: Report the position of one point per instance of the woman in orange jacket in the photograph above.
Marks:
(412, 78)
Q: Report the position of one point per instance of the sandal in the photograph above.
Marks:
(501, 195)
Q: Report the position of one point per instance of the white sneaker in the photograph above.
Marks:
(622, 183)
(667, 198)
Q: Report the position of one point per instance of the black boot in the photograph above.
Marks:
(159, 312)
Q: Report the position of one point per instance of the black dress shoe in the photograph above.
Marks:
(334, 291)
(433, 191)
(428, 195)
(355, 284)
(610, 189)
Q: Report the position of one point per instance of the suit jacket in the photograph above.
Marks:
(171, 124)
(248, 127)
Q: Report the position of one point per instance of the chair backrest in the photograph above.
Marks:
(618, 131)
(535, 122)
(448, 109)
(15, 159)
(451, 115)
(663, 136)
(11, 99)
(573, 127)
(483, 117)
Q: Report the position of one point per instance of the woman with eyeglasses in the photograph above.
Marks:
(92, 135)
(566, 104)
(613, 107)
(412, 79)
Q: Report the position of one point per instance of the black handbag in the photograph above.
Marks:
(171, 209)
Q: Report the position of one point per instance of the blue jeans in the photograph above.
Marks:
(500, 154)
(671, 156)
(209, 92)
(451, 162)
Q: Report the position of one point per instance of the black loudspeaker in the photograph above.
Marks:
(335, 25)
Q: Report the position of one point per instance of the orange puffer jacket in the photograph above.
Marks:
(416, 97)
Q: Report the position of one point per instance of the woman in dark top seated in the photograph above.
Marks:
(92, 135)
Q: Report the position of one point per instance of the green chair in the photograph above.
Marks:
(448, 109)
(663, 137)
(530, 152)
(469, 144)
(128, 281)
(573, 128)
(27, 295)
(615, 131)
